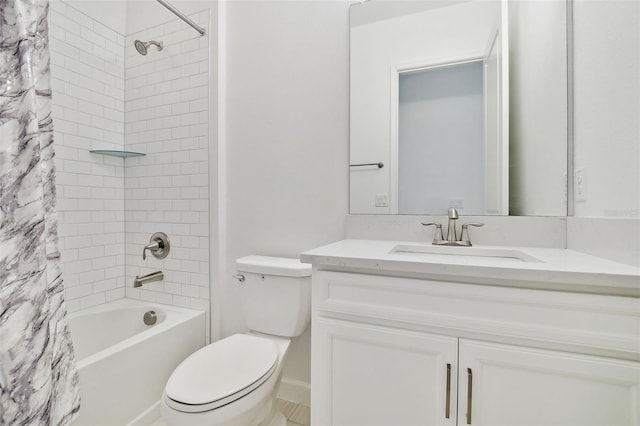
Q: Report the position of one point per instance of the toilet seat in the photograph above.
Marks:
(221, 373)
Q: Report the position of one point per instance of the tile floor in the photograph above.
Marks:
(296, 414)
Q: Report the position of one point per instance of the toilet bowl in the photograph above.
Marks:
(230, 382)
(234, 381)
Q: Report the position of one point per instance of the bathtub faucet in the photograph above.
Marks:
(149, 278)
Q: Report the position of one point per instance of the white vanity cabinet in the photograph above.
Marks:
(370, 375)
(513, 385)
(390, 350)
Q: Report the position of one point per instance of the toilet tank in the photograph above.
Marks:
(276, 294)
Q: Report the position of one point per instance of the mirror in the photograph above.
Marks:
(458, 104)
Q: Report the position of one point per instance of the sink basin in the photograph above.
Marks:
(477, 253)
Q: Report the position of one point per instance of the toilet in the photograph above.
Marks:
(234, 381)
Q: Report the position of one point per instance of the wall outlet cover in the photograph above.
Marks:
(382, 200)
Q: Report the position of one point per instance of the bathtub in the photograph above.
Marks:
(124, 364)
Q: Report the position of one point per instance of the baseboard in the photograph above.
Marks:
(295, 391)
(148, 416)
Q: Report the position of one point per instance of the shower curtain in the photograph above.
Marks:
(38, 376)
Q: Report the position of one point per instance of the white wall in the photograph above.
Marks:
(167, 117)
(442, 34)
(107, 96)
(519, 231)
(611, 238)
(87, 76)
(607, 129)
(607, 106)
(110, 13)
(538, 94)
(287, 140)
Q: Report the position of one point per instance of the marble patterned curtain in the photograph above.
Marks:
(38, 376)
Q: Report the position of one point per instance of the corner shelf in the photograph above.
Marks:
(117, 153)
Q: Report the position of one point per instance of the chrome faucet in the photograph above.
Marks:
(451, 229)
(149, 278)
(452, 240)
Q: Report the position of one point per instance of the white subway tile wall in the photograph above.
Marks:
(87, 78)
(166, 116)
(107, 96)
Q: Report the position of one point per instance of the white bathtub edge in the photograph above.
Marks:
(127, 303)
(184, 314)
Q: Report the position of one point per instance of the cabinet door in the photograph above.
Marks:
(513, 385)
(371, 375)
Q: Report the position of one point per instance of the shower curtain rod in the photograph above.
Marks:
(182, 16)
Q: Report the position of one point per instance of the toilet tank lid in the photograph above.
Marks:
(268, 265)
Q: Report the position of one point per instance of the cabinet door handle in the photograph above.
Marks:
(469, 394)
(448, 398)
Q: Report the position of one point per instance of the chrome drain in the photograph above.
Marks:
(150, 317)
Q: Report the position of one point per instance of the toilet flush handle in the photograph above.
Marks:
(238, 277)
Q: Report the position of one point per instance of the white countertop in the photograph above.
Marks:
(557, 269)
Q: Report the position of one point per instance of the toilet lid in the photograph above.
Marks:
(222, 372)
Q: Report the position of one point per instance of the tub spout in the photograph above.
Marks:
(145, 279)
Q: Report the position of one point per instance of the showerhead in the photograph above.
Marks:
(142, 46)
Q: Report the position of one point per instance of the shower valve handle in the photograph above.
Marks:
(159, 246)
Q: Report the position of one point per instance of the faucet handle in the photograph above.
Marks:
(159, 246)
(152, 247)
(464, 238)
(437, 236)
